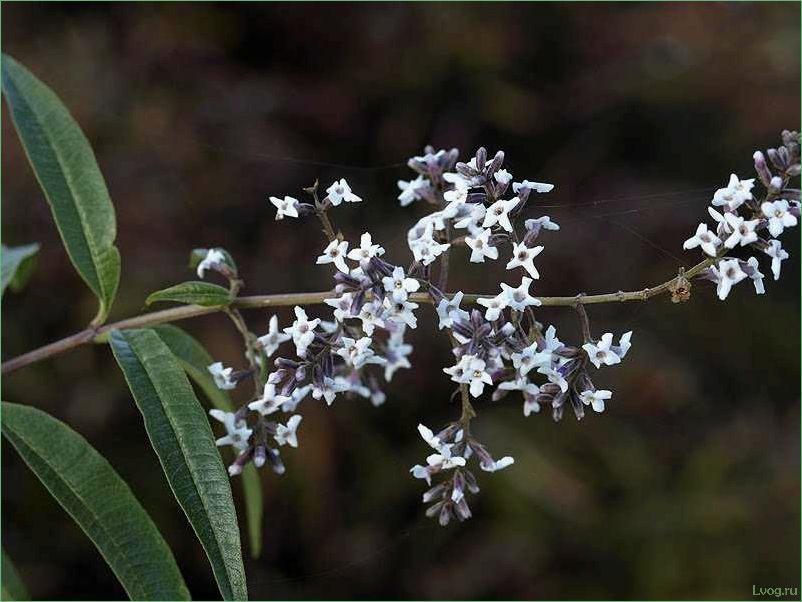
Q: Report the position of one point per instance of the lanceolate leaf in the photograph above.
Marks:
(182, 438)
(194, 359)
(90, 490)
(195, 293)
(70, 177)
(12, 586)
(17, 264)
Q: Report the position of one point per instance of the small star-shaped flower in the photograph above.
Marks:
(340, 191)
(480, 247)
(523, 256)
(286, 207)
(335, 252)
(271, 341)
(705, 239)
(498, 213)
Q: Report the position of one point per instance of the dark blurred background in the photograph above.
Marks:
(687, 487)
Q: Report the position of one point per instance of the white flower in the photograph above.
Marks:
(743, 232)
(271, 341)
(410, 191)
(778, 255)
(213, 258)
(442, 460)
(595, 398)
(530, 358)
(298, 395)
(399, 286)
(270, 401)
(426, 251)
(523, 256)
(600, 353)
(778, 215)
(456, 197)
(503, 177)
(494, 305)
(756, 276)
(371, 316)
(366, 250)
(397, 352)
(552, 343)
(705, 239)
(458, 180)
(536, 186)
(448, 311)
(723, 227)
(237, 431)
(330, 389)
(341, 191)
(727, 274)
(498, 213)
(497, 464)
(474, 374)
(554, 377)
(222, 376)
(530, 405)
(624, 343)
(734, 194)
(519, 384)
(302, 330)
(342, 306)
(480, 247)
(287, 206)
(335, 253)
(357, 353)
(287, 434)
(401, 313)
(542, 222)
(519, 297)
(473, 214)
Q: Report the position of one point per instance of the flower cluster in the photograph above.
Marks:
(497, 343)
(743, 220)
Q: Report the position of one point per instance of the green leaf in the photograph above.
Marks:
(90, 490)
(12, 587)
(254, 507)
(69, 175)
(197, 293)
(17, 265)
(182, 438)
(194, 359)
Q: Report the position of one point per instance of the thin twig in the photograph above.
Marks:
(175, 314)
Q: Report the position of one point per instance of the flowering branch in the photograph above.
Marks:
(176, 314)
(501, 347)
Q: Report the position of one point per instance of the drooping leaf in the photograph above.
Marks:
(65, 166)
(12, 586)
(194, 359)
(182, 438)
(193, 293)
(92, 492)
(17, 265)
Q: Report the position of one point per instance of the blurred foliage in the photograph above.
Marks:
(688, 487)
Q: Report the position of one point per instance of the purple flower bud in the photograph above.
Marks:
(438, 491)
(445, 515)
(761, 168)
(259, 456)
(481, 158)
(462, 510)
